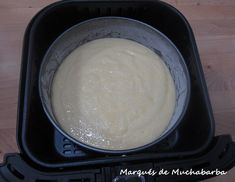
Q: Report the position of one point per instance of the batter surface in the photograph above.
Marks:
(113, 94)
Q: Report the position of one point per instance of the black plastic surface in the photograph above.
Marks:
(219, 156)
(36, 135)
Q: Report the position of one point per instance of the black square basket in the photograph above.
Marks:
(47, 156)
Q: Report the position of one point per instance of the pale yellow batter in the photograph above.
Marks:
(113, 94)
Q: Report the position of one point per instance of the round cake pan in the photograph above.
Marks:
(115, 27)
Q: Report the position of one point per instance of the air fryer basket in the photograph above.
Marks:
(193, 145)
(194, 133)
